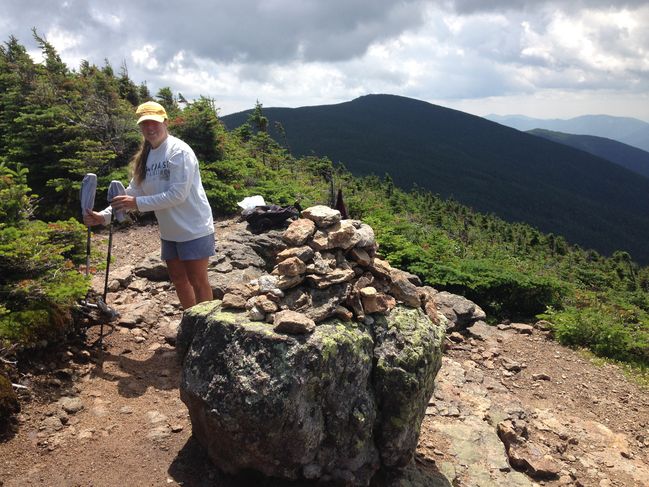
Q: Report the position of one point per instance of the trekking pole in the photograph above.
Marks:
(87, 196)
(115, 188)
(88, 252)
(103, 297)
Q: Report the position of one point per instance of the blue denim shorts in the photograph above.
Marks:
(199, 248)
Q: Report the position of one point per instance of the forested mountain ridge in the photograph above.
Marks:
(630, 131)
(485, 165)
(624, 155)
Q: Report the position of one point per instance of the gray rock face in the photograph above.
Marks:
(239, 256)
(460, 312)
(408, 357)
(153, 268)
(333, 405)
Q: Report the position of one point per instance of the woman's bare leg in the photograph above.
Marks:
(179, 277)
(196, 271)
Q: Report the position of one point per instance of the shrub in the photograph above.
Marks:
(39, 282)
(601, 329)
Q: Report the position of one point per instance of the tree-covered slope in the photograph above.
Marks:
(482, 164)
(627, 130)
(624, 155)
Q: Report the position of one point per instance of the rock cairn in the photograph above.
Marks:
(319, 367)
(329, 269)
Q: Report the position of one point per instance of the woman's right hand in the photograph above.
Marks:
(92, 218)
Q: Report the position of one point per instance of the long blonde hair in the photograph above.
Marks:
(138, 162)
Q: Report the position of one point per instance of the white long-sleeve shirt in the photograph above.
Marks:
(173, 190)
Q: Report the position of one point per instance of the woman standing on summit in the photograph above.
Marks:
(166, 180)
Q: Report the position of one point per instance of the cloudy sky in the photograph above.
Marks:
(541, 58)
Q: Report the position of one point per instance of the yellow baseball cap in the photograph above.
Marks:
(151, 110)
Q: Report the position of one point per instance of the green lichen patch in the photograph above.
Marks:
(407, 357)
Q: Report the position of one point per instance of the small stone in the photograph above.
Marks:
(291, 267)
(256, 314)
(511, 365)
(299, 232)
(343, 313)
(375, 302)
(292, 322)
(322, 216)
(231, 300)
(159, 433)
(71, 405)
(86, 433)
(541, 377)
(456, 337)
(155, 417)
(51, 423)
(522, 328)
(360, 256)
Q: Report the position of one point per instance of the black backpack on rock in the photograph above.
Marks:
(263, 218)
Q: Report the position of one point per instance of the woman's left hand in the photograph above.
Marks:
(124, 202)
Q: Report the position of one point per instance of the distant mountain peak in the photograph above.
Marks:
(627, 130)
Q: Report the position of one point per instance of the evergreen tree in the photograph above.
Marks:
(199, 126)
(166, 98)
(61, 125)
(257, 119)
(127, 89)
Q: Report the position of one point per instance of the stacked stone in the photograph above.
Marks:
(329, 269)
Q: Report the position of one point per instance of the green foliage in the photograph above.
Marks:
(503, 286)
(61, 124)
(222, 196)
(127, 89)
(167, 99)
(602, 329)
(257, 119)
(39, 282)
(15, 202)
(199, 126)
(505, 291)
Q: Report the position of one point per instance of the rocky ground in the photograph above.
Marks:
(511, 407)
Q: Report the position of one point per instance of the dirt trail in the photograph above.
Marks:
(88, 421)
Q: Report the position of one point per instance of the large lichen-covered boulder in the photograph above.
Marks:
(407, 355)
(335, 404)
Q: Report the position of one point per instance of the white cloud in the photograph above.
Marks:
(107, 19)
(303, 52)
(144, 57)
(63, 40)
